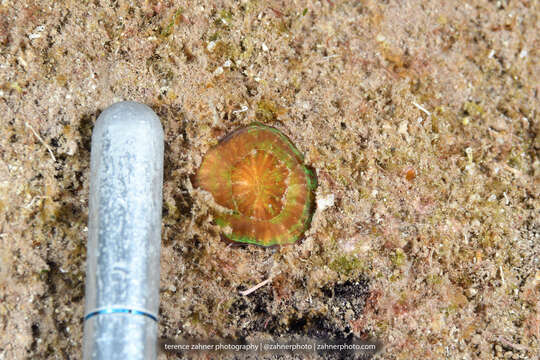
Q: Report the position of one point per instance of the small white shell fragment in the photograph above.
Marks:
(325, 202)
(218, 71)
(403, 127)
(36, 34)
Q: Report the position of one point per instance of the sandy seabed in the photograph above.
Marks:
(421, 119)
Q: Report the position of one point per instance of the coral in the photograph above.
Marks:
(258, 176)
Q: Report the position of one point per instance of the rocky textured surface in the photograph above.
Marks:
(420, 117)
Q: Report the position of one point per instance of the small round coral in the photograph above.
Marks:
(258, 177)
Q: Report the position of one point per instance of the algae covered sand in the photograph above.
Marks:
(421, 119)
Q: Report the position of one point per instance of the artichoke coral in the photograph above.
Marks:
(258, 177)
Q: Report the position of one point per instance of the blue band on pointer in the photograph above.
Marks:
(119, 311)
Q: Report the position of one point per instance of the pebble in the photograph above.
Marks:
(498, 125)
(325, 202)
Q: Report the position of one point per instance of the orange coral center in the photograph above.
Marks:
(258, 185)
